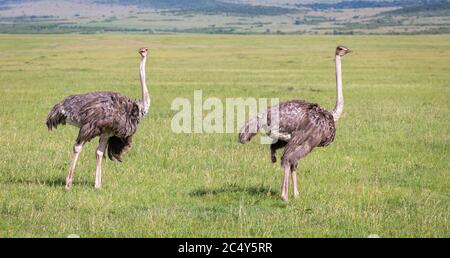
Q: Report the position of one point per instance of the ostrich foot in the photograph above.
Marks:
(273, 158)
(284, 198)
(68, 185)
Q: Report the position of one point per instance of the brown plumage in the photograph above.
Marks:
(109, 115)
(106, 114)
(309, 121)
(302, 126)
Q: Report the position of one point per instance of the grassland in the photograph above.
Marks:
(387, 172)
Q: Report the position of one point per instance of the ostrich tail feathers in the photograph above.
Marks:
(118, 147)
(249, 130)
(55, 117)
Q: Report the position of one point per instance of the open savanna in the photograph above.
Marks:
(387, 172)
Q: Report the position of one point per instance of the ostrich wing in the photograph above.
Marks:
(294, 115)
(282, 120)
(308, 118)
(108, 113)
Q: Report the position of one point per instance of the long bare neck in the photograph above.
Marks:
(337, 111)
(145, 101)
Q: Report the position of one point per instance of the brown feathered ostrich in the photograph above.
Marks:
(302, 126)
(109, 115)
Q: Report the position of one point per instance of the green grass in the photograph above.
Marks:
(387, 172)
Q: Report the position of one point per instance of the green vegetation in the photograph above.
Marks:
(424, 7)
(387, 172)
(205, 6)
(354, 4)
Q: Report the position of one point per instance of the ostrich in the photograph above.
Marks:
(302, 126)
(109, 115)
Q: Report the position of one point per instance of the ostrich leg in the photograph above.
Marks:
(273, 149)
(285, 185)
(297, 148)
(76, 152)
(100, 151)
(294, 180)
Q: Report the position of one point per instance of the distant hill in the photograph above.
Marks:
(226, 16)
(204, 6)
(356, 4)
(426, 6)
(410, 5)
(293, 2)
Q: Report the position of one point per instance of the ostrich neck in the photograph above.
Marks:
(337, 111)
(145, 97)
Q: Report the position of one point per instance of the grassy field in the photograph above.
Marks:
(387, 172)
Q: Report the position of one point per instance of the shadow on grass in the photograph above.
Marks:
(51, 182)
(252, 190)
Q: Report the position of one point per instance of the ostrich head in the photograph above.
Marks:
(342, 51)
(143, 51)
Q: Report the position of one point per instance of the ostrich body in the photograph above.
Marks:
(109, 115)
(302, 126)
